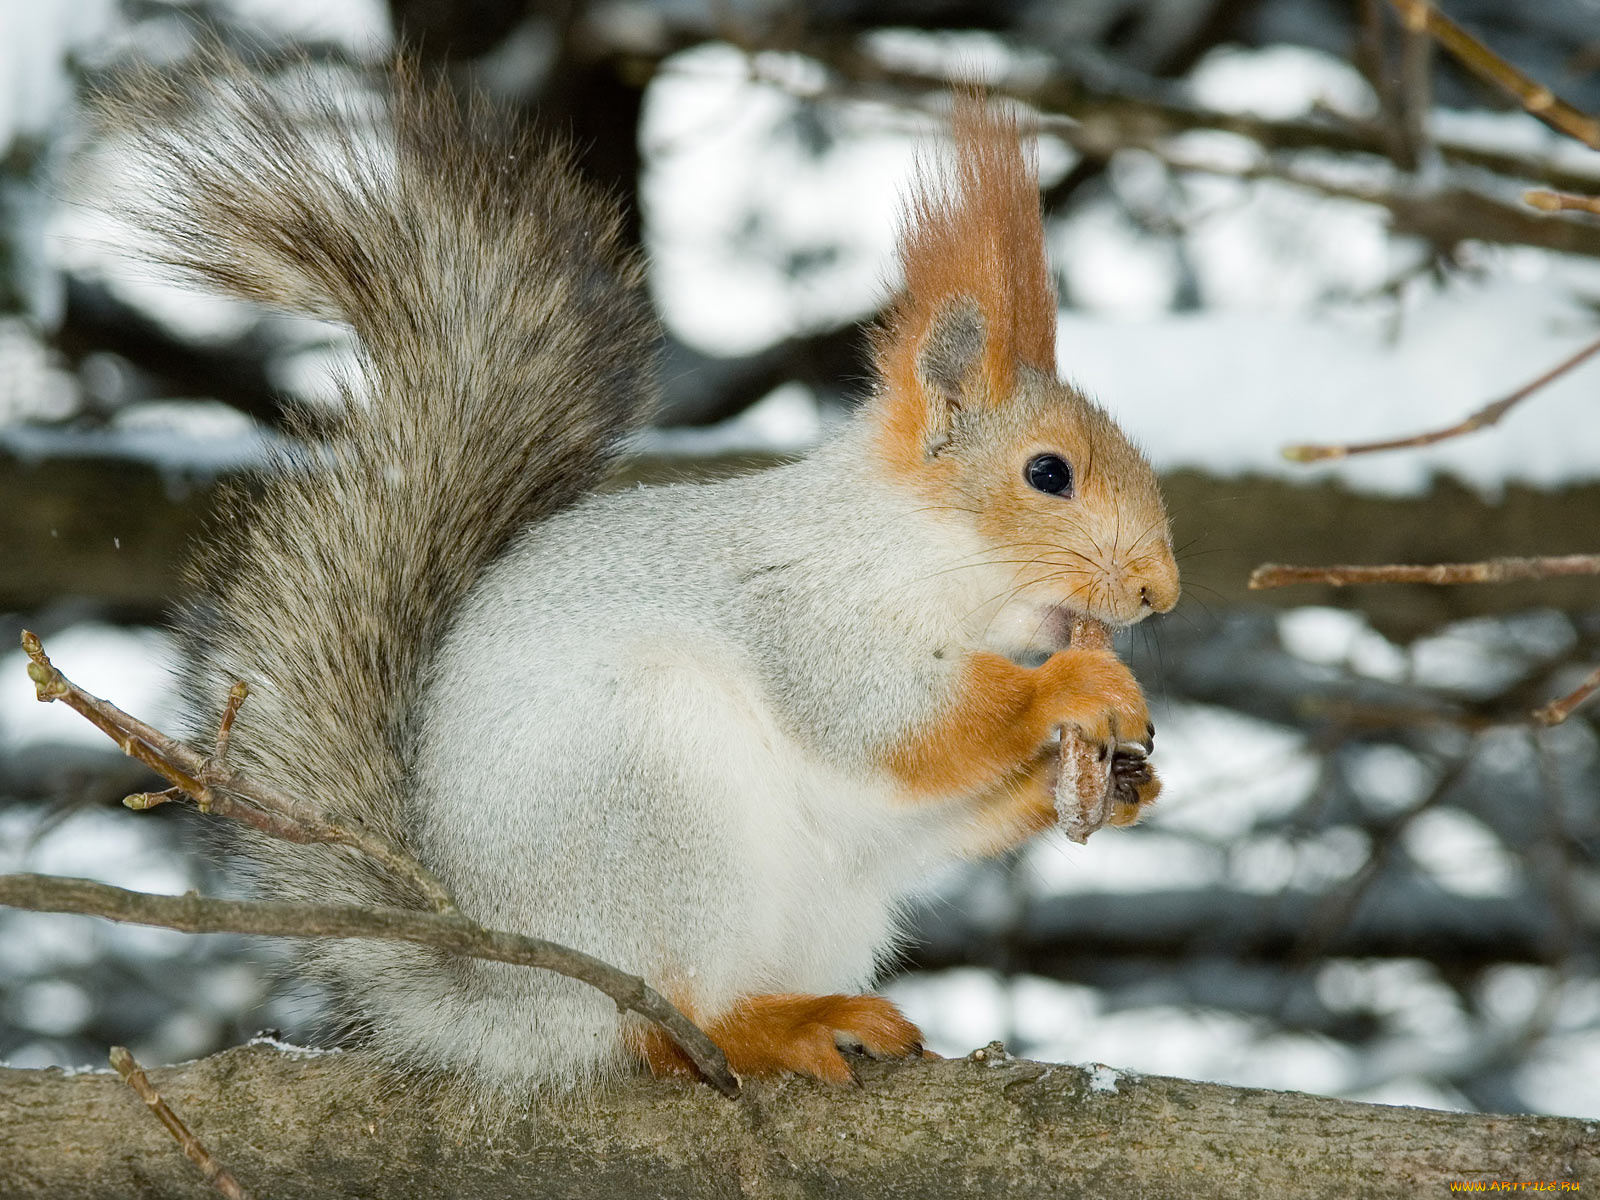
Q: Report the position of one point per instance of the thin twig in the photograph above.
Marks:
(236, 698)
(216, 1174)
(215, 787)
(141, 801)
(1420, 16)
(191, 913)
(1494, 570)
(1484, 417)
(1558, 711)
(1547, 200)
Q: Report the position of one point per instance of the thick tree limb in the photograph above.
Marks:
(1093, 936)
(327, 1126)
(122, 525)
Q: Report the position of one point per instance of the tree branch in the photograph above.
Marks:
(1420, 16)
(215, 788)
(1559, 710)
(216, 1174)
(329, 1126)
(1097, 128)
(450, 932)
(1125, 116)
(1494, 570)
(1484, 417)
(1551, 201)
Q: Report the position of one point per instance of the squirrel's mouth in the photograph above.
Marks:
(1055, 627)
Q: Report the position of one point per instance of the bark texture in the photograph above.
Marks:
(333, 1125)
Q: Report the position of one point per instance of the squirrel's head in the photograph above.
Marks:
(970, 412)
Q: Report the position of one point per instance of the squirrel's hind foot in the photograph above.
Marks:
(789, 1033)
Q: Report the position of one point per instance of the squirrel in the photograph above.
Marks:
(714, 734)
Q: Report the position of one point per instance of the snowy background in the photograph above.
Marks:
(1330, 897)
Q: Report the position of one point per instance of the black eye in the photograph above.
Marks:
(1050, 473)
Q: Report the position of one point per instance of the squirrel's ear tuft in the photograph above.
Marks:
(977, 299)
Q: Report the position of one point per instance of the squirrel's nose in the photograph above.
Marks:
(1159, 596)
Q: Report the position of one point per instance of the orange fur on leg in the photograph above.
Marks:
(789, 1033)
(1002, 715)
(1018, 807)
(1024, 805)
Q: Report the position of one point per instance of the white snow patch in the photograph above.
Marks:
(1224, 771)
(1102, 1078)
(32, 387)
(1462, 853)
(1120, 861)
(1338, 637)
(361, 26)
(35, 42)
(289, 1049)
(175, 453)
(752, 237)
(1279, 82)
(788, 420)
(1388, 778)
(53, 1007)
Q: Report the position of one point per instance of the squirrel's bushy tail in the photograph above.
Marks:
(503, 353)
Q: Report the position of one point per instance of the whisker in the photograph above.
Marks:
(1151, 528)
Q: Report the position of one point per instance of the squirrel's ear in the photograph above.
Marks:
(977, 301)
(948, 365)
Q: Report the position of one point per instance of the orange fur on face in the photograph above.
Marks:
(971, 233)
(966, 360)
(788, 1033)
(1108, 550)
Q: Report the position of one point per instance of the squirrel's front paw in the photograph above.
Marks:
(1134, 787)
(1093, 693)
